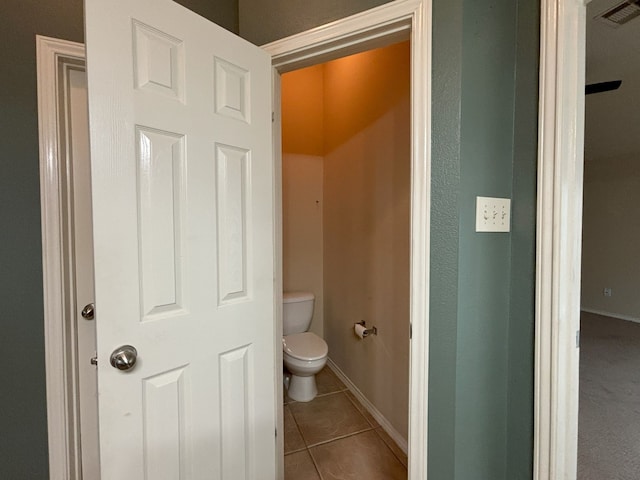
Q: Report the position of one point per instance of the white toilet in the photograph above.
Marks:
(304, 353)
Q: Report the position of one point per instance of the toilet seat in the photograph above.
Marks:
(305, 346)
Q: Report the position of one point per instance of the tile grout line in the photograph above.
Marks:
(375, 429)
(295, 422)
(390, 449)
(315, 464)
(296, 451)
(359, 407)
(326, 394)
(347, 435)
(306, 449)
(344, 389)
(371, 426)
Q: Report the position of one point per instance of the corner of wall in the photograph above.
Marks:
(519, 451)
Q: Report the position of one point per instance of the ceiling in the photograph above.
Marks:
(612, 123)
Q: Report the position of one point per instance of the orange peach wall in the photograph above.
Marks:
(302, 111)
(363, 88)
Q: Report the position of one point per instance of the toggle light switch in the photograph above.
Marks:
(493, 214)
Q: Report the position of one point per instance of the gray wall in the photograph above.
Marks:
(611, 219)
(262, 21)
(23, 425)
(611, 234)
(485, 55)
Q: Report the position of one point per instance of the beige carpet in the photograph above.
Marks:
(609, 421)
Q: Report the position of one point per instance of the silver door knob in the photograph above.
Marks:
(124, 357)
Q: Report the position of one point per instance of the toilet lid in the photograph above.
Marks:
(305, 346)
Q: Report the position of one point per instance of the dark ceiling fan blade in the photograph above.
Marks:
(602, 87)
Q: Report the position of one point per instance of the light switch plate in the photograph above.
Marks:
(493, 214)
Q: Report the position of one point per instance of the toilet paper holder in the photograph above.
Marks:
(367, 331)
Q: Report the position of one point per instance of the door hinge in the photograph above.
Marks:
(273, 116)
(577, 338)
(410, 330)
(276, 433)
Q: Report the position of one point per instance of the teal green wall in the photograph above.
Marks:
(484, 259)
(23, 424)
(485, 71)
(482, 293)
(445, 234)
(523, 247)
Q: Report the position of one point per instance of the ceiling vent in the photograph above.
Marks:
(621, 14)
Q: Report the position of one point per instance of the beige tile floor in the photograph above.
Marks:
(334, 438)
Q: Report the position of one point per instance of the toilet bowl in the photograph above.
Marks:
(304, 353)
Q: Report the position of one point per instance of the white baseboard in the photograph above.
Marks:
(375, 413)
(610, 314)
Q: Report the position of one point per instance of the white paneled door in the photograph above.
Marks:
(182, 182)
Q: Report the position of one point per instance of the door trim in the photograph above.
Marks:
(391, 22)
(54, 56)
(559, 232)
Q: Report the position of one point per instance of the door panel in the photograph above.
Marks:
(180, 121)
(161, 174)
(232, 187)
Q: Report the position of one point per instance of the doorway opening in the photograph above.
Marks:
(608, 421)
(383, 26)
(346, 163)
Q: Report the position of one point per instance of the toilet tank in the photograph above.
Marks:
(297, 311)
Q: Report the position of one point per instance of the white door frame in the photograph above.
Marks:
(559, 232)
(394, 21)
(54, 58)
(397, 20)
